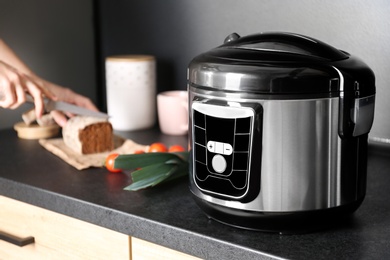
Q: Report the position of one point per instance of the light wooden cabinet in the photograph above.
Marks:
(57, 236)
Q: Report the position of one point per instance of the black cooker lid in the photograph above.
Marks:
(280, 63)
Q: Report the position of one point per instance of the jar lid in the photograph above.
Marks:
(130, 57)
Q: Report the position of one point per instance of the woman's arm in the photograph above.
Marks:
(17, 79)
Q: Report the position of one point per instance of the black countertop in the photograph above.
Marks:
(168, 216)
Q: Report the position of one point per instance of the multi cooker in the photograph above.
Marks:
(278, 132)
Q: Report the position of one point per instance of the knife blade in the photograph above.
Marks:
(51, 105)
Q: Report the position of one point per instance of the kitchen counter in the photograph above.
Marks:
(167, 215)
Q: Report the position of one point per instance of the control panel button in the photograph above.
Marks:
(211, 146)
(227, 149)
(219, 163)
(219, 147)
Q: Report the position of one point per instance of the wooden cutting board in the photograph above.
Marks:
(35, 131)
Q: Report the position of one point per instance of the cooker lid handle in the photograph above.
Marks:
(285, 42)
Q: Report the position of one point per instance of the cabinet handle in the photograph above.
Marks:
(16, 240)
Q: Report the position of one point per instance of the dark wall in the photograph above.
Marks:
(160, 28)
(56, 38)
(177, 30)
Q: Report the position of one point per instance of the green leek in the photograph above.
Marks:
(152, 168)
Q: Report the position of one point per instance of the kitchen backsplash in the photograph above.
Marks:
(176, 31)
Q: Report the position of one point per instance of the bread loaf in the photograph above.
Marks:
(88, 135)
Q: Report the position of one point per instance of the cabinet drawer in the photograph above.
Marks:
(56, 236)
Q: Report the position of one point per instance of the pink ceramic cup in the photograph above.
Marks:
(172, 108)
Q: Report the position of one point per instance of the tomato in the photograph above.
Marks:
(110, 160)
(176, 148)
(157, 148)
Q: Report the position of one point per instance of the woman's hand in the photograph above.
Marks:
(14, 85)
(13, 88)
(69, 96)
(16, 80)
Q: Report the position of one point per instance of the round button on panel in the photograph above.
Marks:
(219, 163)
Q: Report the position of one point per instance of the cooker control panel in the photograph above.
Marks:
(222, 147)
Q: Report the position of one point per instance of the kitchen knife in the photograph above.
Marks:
(51, 105)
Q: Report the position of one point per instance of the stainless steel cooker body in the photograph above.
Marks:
(298, 154)
(274, 140)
